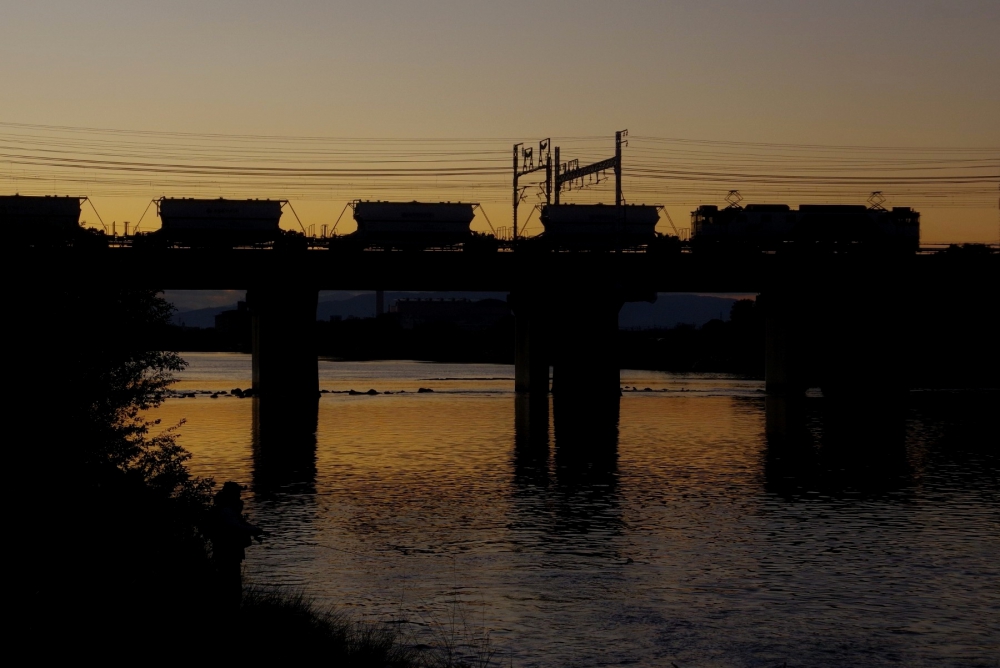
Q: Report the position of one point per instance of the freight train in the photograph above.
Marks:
(811, 227)
(226, 223)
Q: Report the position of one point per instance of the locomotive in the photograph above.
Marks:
(828, 227)
(48, 221)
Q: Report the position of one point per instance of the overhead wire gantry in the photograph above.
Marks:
(562, 173)
(524, 164)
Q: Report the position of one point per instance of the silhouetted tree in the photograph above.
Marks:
(112, 535)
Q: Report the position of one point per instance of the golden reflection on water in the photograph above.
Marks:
(465, 425)
(216, 432)
(674, 531)
(418, 438)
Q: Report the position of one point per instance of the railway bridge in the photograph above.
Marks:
(838, 321)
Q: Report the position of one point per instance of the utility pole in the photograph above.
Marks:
(556, 180)
(524, 163)
(517, 195)
(618, 166)
(619, 203)
(548, 177)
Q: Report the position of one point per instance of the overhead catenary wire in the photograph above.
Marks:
(662, 170)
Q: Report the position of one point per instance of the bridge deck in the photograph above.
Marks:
(459, 271)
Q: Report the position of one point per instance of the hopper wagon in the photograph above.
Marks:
(46, 221)
(416, 225)
(217, 222)
(599, 226)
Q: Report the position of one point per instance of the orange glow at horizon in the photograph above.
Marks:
(321, 104)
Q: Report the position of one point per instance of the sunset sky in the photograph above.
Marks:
(888, 89)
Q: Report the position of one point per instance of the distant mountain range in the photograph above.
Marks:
(669, 310)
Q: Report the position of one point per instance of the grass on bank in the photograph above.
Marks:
(276, 623)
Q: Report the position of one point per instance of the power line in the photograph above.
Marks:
(664, 170)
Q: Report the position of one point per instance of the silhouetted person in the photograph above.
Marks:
(231, 533)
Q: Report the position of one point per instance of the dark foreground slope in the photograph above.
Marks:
(112, 555)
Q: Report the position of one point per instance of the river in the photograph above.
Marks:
(678, 535)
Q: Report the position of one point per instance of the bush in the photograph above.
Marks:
(113, 548)
(114, 561)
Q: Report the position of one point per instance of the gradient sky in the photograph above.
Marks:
(875, 73)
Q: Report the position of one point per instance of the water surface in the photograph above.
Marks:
(678, 534)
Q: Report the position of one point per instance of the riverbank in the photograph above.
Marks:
(280, 624)
(112, 550)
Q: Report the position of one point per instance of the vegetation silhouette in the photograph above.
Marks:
(114, 555)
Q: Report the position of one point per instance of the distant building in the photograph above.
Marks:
(466, 314)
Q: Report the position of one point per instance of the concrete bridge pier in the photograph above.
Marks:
(531, 343)
(786, 343)
(786, 361)
(864, 339)
(584, 346)
(285, 367)
(850, 339)
(575, 334)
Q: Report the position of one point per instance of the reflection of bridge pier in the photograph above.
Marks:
(586, 462)
(832, 448)
(574, 495)
(284, 445)
(531, 440)
(531, 420)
